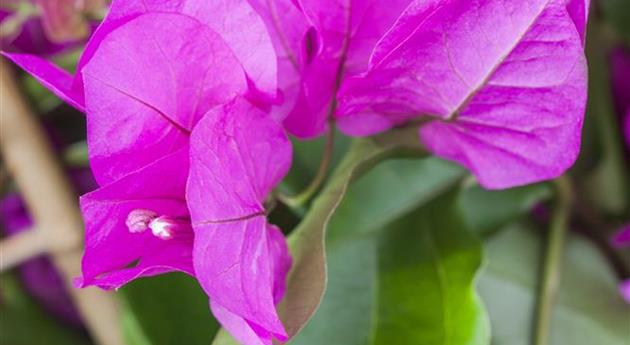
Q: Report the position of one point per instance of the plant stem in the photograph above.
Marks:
(553, 261)
(21, 247)
(322, 172)
(53, 206)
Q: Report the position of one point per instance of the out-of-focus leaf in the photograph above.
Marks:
(76, 155)
(307, 280)
(306, 160)
(589, 309)
(385, 193)
(23, 322)
(169, 310)
(426, 282)
(608, 184)
(485, 212)
(617, 13)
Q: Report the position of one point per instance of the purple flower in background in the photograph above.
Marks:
(38, 275)
(46, 27)
(622, 239)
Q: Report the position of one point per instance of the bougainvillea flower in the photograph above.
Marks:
(622, 239)
(253, 47)
(322, 42)
(154, 214)
(503, 81)
(208, 220)
(238, 155)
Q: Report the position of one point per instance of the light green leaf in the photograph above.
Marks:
(307, 279)
(385, 193)
(589, 309)
(427, 267)
(170, 309)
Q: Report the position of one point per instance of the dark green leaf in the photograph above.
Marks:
(486, 211)
(23, 322)
(617, 13)
(170, 310)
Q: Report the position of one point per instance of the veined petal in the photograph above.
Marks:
(52, 77)
(343, 35)
(240, 268)
(143, 103)
(252, 47)
(508, 77)
(113, 254)
(238, 154)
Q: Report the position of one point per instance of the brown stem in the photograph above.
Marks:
(52, 204)
(21, 247)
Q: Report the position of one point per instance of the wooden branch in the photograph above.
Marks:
(52, 204)
(21, 247)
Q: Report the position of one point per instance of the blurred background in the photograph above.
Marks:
(44, 167)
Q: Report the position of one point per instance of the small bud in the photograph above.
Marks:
(139, 220)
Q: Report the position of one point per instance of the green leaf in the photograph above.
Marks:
(307, 280)
(485, 212)
(23, 322)
(170, 309)
(617, 13)
(607, 185)
(427, 267)
(387, 192)
(589, 309)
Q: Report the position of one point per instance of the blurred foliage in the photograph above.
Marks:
(168, 309)
(589, 309)
(24, 322)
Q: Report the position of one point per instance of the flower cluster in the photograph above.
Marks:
(187, 104)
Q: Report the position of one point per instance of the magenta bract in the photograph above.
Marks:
(503, 83)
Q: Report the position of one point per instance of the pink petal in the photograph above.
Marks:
(287, 27)
(622, 238)
(624, 289)
(52, 77)
(111, 249)
(238, 154)
(235, 263)
(238, 327)
(173, 71)
(620, 66)
(344, 33)
(252, 47)
(512, 76)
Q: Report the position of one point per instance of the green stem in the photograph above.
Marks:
(322, 172)
(553, 261)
